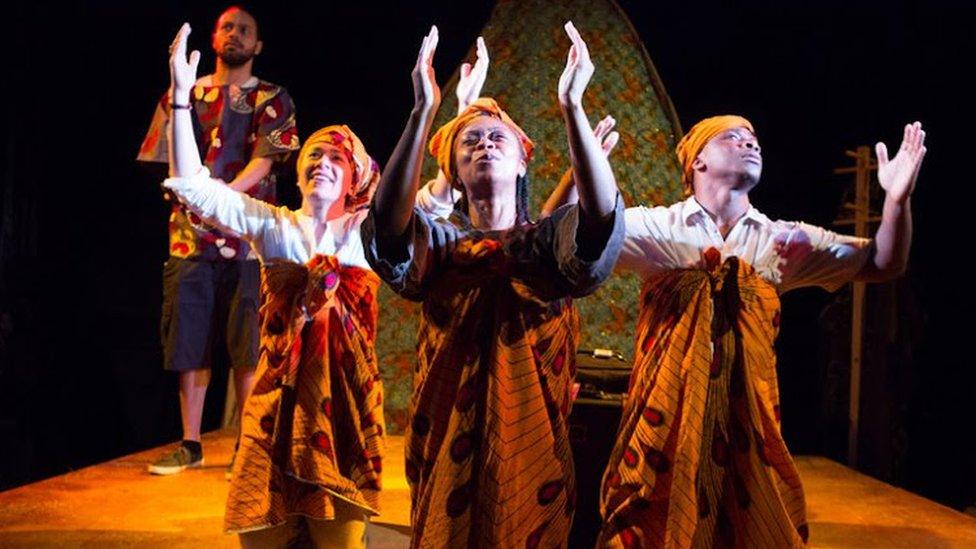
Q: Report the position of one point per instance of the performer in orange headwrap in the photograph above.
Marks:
(700, 461)
(488, 457)
(311, 445)
(439, 196)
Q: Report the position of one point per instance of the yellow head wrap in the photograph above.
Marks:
(367, 171)
(697, 137)
(442, 144)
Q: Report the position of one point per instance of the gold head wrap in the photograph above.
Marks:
(697, 137)
(442, 144)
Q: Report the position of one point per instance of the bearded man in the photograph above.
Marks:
(243, 127)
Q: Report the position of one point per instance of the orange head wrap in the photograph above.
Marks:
(367, 171)
(442, 144)
(697, 137)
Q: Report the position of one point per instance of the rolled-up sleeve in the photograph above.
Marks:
(813, 256)
(405, 270)
(434, 205)
(583, 275)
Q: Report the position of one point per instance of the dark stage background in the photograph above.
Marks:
(83, 227)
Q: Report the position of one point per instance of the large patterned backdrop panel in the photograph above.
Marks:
(528, 48)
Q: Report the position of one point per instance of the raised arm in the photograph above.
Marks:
(397, 190)
(184, 157)
(565, 191)
(897, 177)
(595, 182)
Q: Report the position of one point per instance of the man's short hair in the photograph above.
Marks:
(246, 8)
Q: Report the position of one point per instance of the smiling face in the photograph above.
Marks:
(732, 154)
(325, 173)
(488, 158)
(235, 37)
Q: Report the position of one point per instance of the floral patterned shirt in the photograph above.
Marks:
(232, 125)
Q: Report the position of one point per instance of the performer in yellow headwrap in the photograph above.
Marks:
(311, 445)
(487, 450)
(700, 461)
(439, 196)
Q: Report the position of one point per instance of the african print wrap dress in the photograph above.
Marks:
(487, 451)
(699, 460)
(312, 428)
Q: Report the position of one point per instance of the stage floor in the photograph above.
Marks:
(117, 503)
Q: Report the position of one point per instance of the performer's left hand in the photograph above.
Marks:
(579, 69)
(472, 78)
(898, 175)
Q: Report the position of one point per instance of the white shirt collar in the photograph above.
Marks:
(690, 207)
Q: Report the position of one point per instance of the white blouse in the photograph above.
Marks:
(433, 205)
(274, 232)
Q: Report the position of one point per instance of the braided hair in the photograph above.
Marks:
(521, 201)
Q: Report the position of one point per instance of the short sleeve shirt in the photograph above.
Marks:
(787, 254)
(232, 125)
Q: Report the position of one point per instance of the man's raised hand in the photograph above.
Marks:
(897, 176)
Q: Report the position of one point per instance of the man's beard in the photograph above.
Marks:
(237, 57)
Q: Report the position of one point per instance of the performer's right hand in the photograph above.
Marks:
(182, 72)
(608, 139)
(427, 96)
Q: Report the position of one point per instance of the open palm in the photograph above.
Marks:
(472, 78)
(897, 176)
(425, 89)
(182, 71)
(579, 69)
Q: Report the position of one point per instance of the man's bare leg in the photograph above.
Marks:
(193, 391)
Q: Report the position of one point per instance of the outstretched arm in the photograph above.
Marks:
(897, 177)
(397, 190)
(565, 191)
(184, 158)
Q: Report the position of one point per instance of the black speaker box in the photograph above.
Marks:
(603, 377)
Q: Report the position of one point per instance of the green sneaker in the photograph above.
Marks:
(181, 458)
